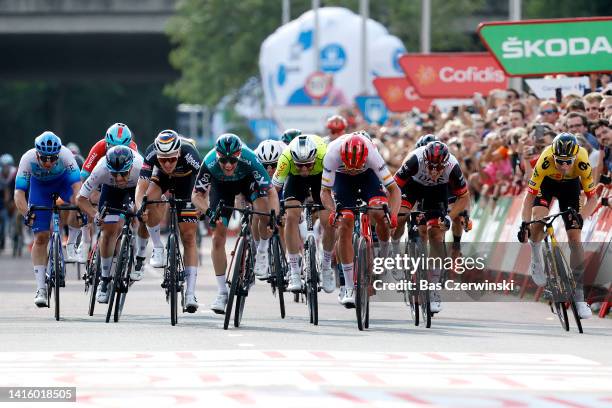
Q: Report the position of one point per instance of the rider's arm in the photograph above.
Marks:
(588, 184)
(327, 200)
(199, 196)
(85, 206)
(527, 207)
(459, 188)
(282, 170)
(98, 150)
(89, 186)
(145, 175)
(395, 198)
(273, 199)
(20, 201)
(71, 166)
(22, 181)
(409, 168)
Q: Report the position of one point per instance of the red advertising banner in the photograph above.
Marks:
(399, 95)
(453, 75)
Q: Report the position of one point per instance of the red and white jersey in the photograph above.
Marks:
(95, 154)
(332, 163)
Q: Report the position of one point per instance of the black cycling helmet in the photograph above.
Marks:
(425, 139)
(565, 145)
(290, 134)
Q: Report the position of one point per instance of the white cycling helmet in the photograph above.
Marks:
(268, 151)
(167, 143)
(303, 149)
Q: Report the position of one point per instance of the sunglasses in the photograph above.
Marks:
(167, 159)
(561, 162)
(549, 112)
(304, 165)
(120, 173)
(228, 159)
(46, 159)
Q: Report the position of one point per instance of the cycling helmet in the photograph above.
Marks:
(336, 124)
(118, 135)
(7, 160)
(119, 159)
(167, 143)
(565, 145)
(289, 135)
(228, 144)
(48, 144)
(268, 151)
(354, 152)
(425, 140)
(436, 153)
(303, 149)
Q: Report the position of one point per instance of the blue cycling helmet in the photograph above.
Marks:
(425, 140)
(228, 144)
(119, 159)
(118, 135)
(48, 144)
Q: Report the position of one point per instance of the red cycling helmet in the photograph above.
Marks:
(436, 154)
(336, 124)
(354, 152)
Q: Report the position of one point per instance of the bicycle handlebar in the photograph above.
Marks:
(550, 218)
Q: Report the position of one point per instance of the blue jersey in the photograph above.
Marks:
(65, 166)
(248, 166)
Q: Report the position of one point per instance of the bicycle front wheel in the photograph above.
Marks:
(93, 278)
(279, 273)
(238, 262)
(361, 296)
(121, 274)
(312, 281)
(568, 284)
(172, 275)
(57, 273)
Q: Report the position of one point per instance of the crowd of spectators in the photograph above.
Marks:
(498, 138)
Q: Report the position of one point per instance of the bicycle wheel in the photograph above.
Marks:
(172, 278)
(312, 280)
(568, 285)
(411, 294)
(121, 272)
(424, 299)
(246, 278)
(238, 261)
(361, 294)
(278, 273)
(556, 286)
(93, 276)
(57, 273)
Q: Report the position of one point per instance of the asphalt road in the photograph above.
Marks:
(499, 354)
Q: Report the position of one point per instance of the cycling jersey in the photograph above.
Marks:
(332, 163)
(95, 154)
(247, 165)
(102, 176)
(545, 167)
(188, 163)
(65, 166)
(415, 168)
(286, 166)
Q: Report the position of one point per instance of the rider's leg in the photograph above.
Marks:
(39, 257)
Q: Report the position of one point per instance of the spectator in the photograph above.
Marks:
(549, 112)
(605, 108)
(576, 105)
(601, 129)
(576, 123)
(591, 104)
(517, 119)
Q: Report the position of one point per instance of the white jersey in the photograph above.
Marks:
(332, 163)
(100, 175)
(30, 167)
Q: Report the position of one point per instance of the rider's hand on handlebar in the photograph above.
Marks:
(145, 215)
(332, 219)
(28, 219)
(393, 221)
(447, 222)
(523, 233)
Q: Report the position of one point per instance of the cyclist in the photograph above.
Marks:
(268, 152)
(117, 174)
(46, 169)
(229, 169)
(298, 174)
(7, 174)
(353, 168)
(290, 134)
(172, 163)
(118, 134)
(336, 125)
(560, 171)
(426, 177)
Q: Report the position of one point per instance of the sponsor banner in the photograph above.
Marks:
(453, 75)
(545, 88)
(372, 108)
(399, 95)
(537, 47)
(309, 119)
(318, 85)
